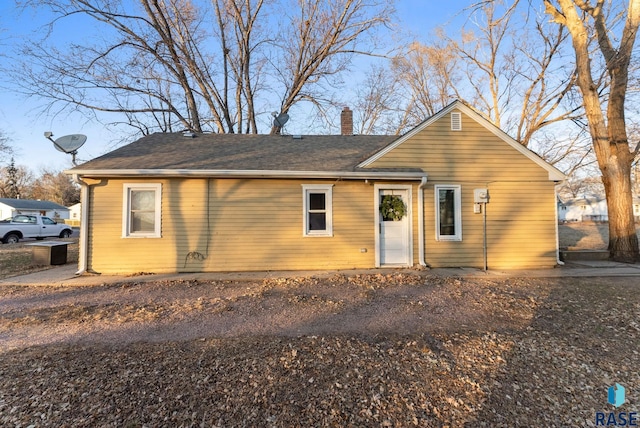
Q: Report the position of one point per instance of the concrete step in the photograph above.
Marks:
(590, 255)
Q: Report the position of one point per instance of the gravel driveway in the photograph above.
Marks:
(407, 349)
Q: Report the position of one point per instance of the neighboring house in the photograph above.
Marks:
(586, 208)
(10, 207)
(75, 214)
(225, 202)
(562, 209)
(74, 211)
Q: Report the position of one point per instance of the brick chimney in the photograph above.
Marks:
(346, 122)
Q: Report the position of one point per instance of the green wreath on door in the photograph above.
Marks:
(392, 208)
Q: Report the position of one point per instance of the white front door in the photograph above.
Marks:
(394, 232)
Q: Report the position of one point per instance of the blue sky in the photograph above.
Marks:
(22, 121)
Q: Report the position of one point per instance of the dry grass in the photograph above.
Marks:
(544, 355)
(15, 259)
(585, 236)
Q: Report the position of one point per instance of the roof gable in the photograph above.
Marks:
(553, 173)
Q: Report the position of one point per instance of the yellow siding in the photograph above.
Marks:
(521, 228)
(473, 154)
(521, 224)
(253, 225)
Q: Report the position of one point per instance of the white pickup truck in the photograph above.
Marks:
(23, 226)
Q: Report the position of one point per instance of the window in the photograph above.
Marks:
(448, 213)
(47, 220)
(317, 210)
(141, 210)
(24, 219)
(456, 121)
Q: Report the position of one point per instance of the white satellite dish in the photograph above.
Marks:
(70, 143)
(279, 119)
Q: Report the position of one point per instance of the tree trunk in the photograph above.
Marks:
(616, 177)
(609, 136)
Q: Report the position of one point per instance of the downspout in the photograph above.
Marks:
(421, 250)
(555, 194)
(84, 224)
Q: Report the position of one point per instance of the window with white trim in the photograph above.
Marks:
(448, 213)
(317, 209)
(141, 210)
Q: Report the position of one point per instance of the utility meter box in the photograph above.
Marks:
(480, 196)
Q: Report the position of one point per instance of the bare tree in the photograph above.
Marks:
(516, 66)
(242, 18)
(9, 186)
(606, 112)
(15, 181)
(577, 186)
(318, 43)
(56, 187)
(429, 78)
(511, 64)
(377, 103)
(191, 64)
(5, 148)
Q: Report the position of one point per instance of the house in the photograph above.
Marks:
(10, 207)
(75, 214)
(454, 191)
(561, 207)
(586, 208)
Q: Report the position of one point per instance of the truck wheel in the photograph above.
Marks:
(65, 233)
(11, 238)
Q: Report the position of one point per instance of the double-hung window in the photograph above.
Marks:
(317, 210)
(141, 210)
(448, 213)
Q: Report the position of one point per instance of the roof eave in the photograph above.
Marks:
(175, 173)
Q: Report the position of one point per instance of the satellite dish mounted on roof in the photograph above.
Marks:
(68, 144)
(279, 119)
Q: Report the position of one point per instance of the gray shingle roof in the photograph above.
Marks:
(28, 204)
(242, 152)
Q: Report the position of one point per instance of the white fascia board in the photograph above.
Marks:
(554, 173)
(346, 175)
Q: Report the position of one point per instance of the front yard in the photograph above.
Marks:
(370, 350)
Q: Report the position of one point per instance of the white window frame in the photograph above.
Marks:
(126, 210)
(327, 189)
(457, 206)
